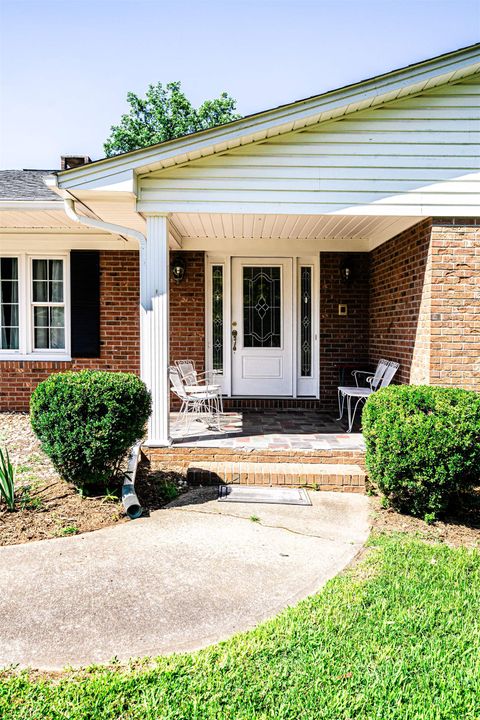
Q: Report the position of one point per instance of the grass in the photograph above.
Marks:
(396, 637)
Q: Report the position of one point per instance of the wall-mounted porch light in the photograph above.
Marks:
(179, 267)
(346, 271)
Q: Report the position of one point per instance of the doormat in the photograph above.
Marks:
(270, 495)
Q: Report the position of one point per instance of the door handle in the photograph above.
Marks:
(234, 336)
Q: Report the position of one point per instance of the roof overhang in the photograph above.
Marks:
(118, 173)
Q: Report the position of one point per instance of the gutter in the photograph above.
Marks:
(69, 207)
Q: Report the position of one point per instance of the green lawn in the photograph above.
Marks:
(398, 636)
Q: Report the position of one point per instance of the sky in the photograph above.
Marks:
(67, 65)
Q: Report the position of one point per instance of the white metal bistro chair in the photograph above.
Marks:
(198, 382)
(382, 377)
(195, 405)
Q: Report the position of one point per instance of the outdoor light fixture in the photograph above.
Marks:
(346, 271)
(179, 267)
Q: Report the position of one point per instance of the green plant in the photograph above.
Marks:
(423, 445)
(168, 491)
(68, 530)
(111, 496)
(87, 420)
(26, 500)
(254, 518)
(7, 480)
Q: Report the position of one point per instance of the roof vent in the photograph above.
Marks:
(67, 162)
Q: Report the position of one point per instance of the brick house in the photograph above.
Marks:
(314, 237)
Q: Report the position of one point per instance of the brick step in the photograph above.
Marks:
(321, 476)
(183, 456)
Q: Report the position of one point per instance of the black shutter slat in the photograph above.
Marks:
(85, 303)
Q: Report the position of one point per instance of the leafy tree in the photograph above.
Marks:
(163, 114)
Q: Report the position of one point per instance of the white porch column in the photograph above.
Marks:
(154, 326)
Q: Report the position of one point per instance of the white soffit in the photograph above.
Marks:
(371, 230)
(29, 217)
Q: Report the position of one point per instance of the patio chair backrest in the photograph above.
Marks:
(389, 374)
(176, 383)
(379, 373)
(187, 371)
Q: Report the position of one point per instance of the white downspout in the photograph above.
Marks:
(130, 500)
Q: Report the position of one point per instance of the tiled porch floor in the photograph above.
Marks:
(270, 430)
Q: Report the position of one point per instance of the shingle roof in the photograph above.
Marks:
(25, 185)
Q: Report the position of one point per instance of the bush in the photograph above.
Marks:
(87, 420)
(423, 445)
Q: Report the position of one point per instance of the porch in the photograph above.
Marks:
(276, 430)
(281, 322)
(267, 447)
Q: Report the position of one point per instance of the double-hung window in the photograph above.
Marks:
(34, 311)
(48, 304)
(9, 304)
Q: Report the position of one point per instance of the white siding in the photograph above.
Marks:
(419, 156)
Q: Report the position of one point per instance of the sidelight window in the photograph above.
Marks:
(217, 317)
(305, 319)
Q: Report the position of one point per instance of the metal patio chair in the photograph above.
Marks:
(194, 405)
(382, 377)
(196, 382)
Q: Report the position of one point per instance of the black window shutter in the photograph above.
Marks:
(85, 303)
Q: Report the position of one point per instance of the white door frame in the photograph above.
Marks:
(302, 387)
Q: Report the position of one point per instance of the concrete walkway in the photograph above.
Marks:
(188, 576)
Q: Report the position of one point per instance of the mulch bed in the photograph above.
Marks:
(49, 507)
(461, 527)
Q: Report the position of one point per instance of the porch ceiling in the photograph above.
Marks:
(198, 230)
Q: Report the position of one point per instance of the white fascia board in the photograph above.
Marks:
(403, 206)
(399, 83)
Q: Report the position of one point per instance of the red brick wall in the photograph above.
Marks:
(119, 334)
(455, 304)
(399, 302)
(343, 338)
(187, 312)
(120, 327)
(414, 299)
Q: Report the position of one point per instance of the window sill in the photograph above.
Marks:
(33, 357)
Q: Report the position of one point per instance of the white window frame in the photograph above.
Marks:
(26, 349)
(224, 378)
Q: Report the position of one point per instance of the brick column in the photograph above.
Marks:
(455, 303)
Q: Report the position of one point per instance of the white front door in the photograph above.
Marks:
(262, 327)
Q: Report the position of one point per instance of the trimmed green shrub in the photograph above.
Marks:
(87, 420)
(423, 445)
